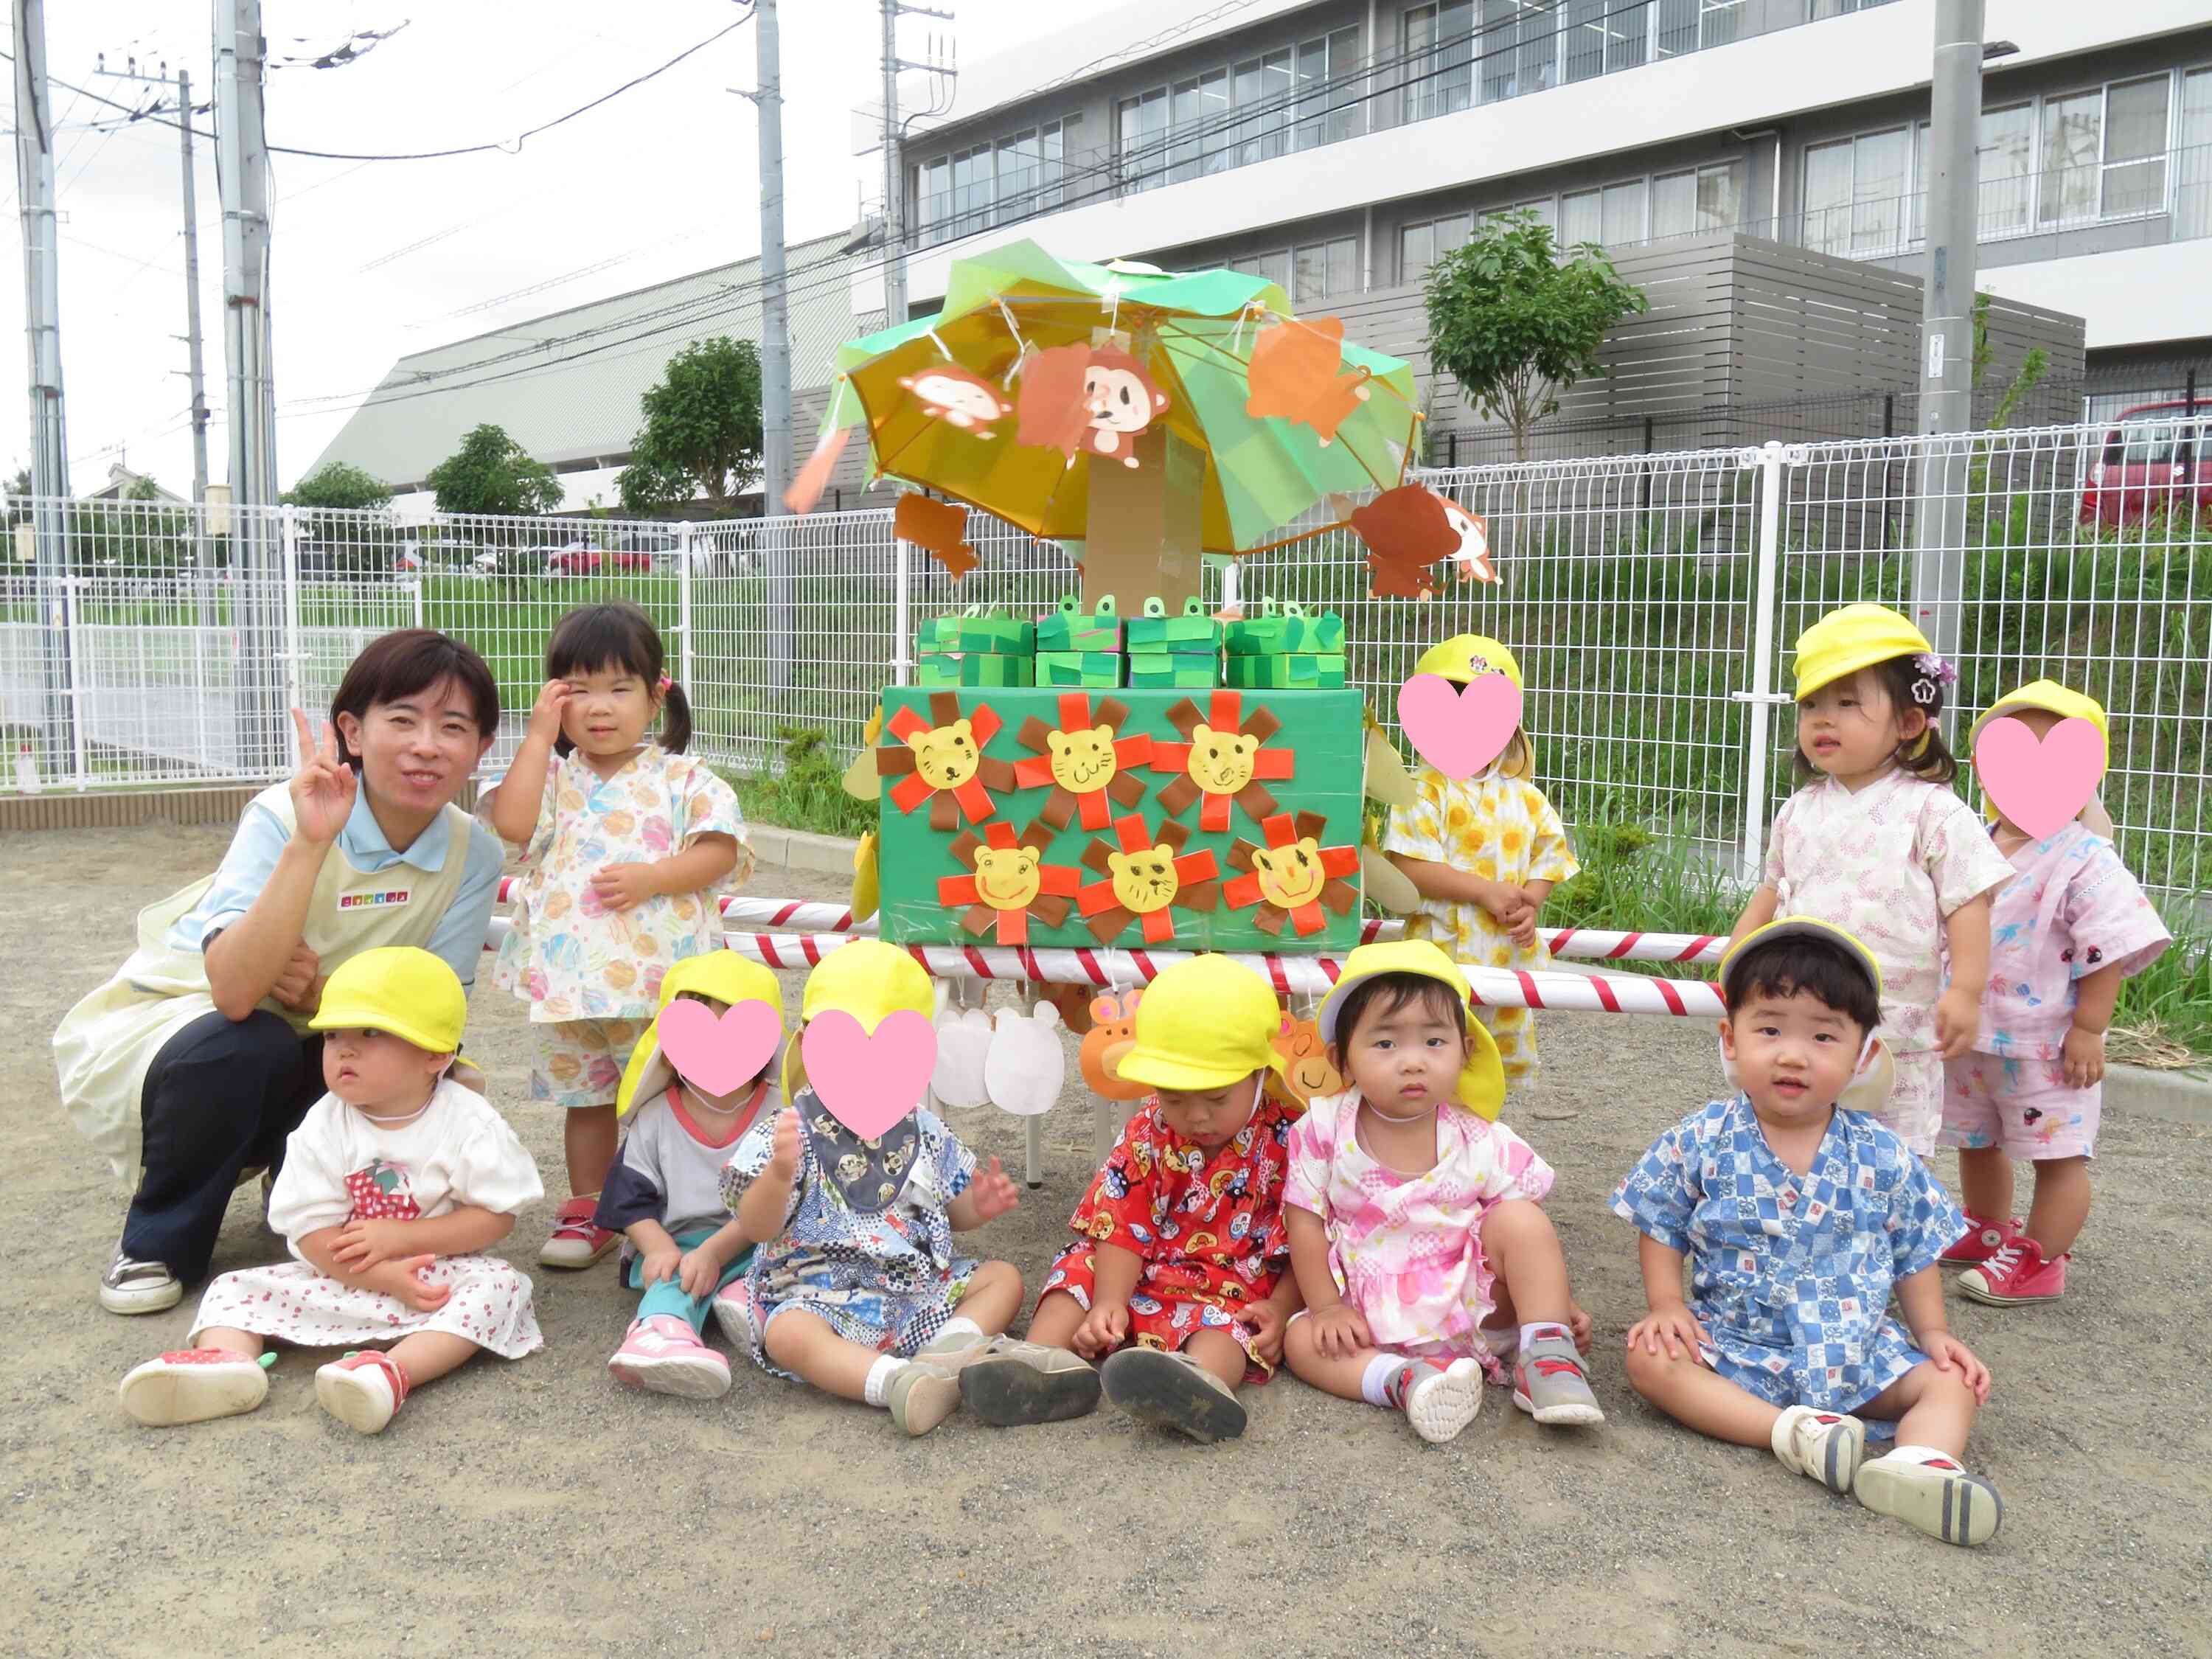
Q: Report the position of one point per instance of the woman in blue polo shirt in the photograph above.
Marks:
(192, 1064)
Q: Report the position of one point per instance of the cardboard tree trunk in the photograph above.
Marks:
(1143, 535)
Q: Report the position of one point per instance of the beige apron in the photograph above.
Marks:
(106, 1042)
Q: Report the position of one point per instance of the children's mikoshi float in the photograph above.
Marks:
(1076, 799)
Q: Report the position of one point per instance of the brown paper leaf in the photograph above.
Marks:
(940, 528)
(1293, 376)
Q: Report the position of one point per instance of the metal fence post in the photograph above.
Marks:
(1761, 696)
(902, 612)
(74, 673)
(683, 657)
(294, 654)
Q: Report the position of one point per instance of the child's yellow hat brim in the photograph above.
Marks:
(1858, 636)
(1203, 1024)
(1481, 1084)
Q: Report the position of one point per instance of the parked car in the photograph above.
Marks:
(578, 560)
(2153, 458)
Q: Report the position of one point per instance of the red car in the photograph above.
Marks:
(2156, 457)
(589, 561)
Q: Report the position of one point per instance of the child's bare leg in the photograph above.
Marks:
(427, 1355)
(1524, 1250)
(1220, 1353)
(994, 1296)
(1985, 1182)
(2061, 1204)
(1055, 1322)
(1692, 1393)
(803, 1344)
(588, 1137)
(1344, 1375)
(245, 1344)
(1930, 1407)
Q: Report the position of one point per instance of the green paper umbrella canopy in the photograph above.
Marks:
(1193, 333)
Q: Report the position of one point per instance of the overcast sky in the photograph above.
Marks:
(374, 260)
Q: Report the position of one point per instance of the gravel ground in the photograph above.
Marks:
(538, 1508)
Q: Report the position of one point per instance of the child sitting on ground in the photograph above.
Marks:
(391, 1185)
(1183, 1253)
(1799, 1214)
(855, 1285)
(2063, 932)
(1415, 1222)
(681, 1245)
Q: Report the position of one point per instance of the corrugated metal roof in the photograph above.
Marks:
(567, 387)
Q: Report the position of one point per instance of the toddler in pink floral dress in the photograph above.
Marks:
(1417, 1231)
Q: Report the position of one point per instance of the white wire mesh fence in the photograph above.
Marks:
(137, 653)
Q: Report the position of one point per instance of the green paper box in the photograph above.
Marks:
(1084, 668)
(1324, 730)
(1070, 628)
(977, 629)
(975, 668)
(1286, 630)
(1191, 632)
(1160, 671)
(1304, 672)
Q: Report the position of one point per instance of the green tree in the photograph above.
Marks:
(1516, 319)
(702, 430)
(336, 484)
(492, 473)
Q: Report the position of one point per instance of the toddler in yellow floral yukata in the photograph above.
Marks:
(626, 843)
(1484, 853)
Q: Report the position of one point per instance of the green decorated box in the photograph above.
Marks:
(1298, 673)
(982, 818)
(1158, 670)
(1093, 668)
(976, 630)
(1188, 632)
(1070, 628)
(975, 668)
(1284, 630)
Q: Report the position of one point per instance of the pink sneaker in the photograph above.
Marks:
(191, 1385)
(665, 1355)
(733, 1308)
(576, 1240)
(1982, 1239)
(362, 1390)
(2016, 1275)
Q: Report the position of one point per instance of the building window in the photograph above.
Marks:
(1015, 178)
(1236, 114)
(1439, 59)
(1707, 199)
(1855, 193)
(2104, 151)
(1421, 245)
(2192, 192)
(1322, 270)
(1273, 267)
(1520, 48)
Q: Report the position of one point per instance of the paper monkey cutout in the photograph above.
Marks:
(814, 478)
(1307, 1074)
(1010, 883)
(938, 528)
(1293, 877)
(1293, 376)
(1026, 1067)
(1084, 762)
(940, 760)
(1111, 1036)
(1411, 528)
(1144, 881)
(1098, 412)
(1224, 760)
(959, 397)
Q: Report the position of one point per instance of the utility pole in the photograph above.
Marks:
(42, 327)
(1947, 302)
(242, 175)
(895, 303)
(775, 326)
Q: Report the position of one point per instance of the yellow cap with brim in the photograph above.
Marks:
(1481, 1084)
(2068, 704)
(1877, 1073)
(1460, 659)
(408, 993)
(867, 979)
(726, 977)
(1203, 1024)
(1857, 636)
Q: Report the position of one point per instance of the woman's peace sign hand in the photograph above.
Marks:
(323, 788)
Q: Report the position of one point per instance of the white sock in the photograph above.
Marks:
(1377, 1377)
(1922, 1455)
(959, 1325)
(879, 1378)
(1539, 1329)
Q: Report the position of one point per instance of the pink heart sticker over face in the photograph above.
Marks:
(719, 1055)
(2039, 785)
(1459, 730)
(869, 1080)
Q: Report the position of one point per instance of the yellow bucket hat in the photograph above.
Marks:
(2068, 704)
(724, 975)
(867, 979)
(1481, 1085)
(1203, 1024)
(409, 992)
(1462, 656)
(1858, 636)
(1877, 1073)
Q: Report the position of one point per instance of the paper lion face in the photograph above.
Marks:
(1082, 760)
(946, 755)
(1222, 762)
(1145, 880)
(1008, 878)
(1290, 875)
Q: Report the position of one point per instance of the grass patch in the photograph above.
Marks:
(807, 792)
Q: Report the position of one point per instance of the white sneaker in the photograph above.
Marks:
(663, 1355)
(733, 1308)
(1443, 1402)
(130, 1286)
(191, 1385)
(1938, 1496)
(362, 1390)
(1822, 1446)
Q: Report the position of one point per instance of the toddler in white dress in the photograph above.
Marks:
(391, 1187)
